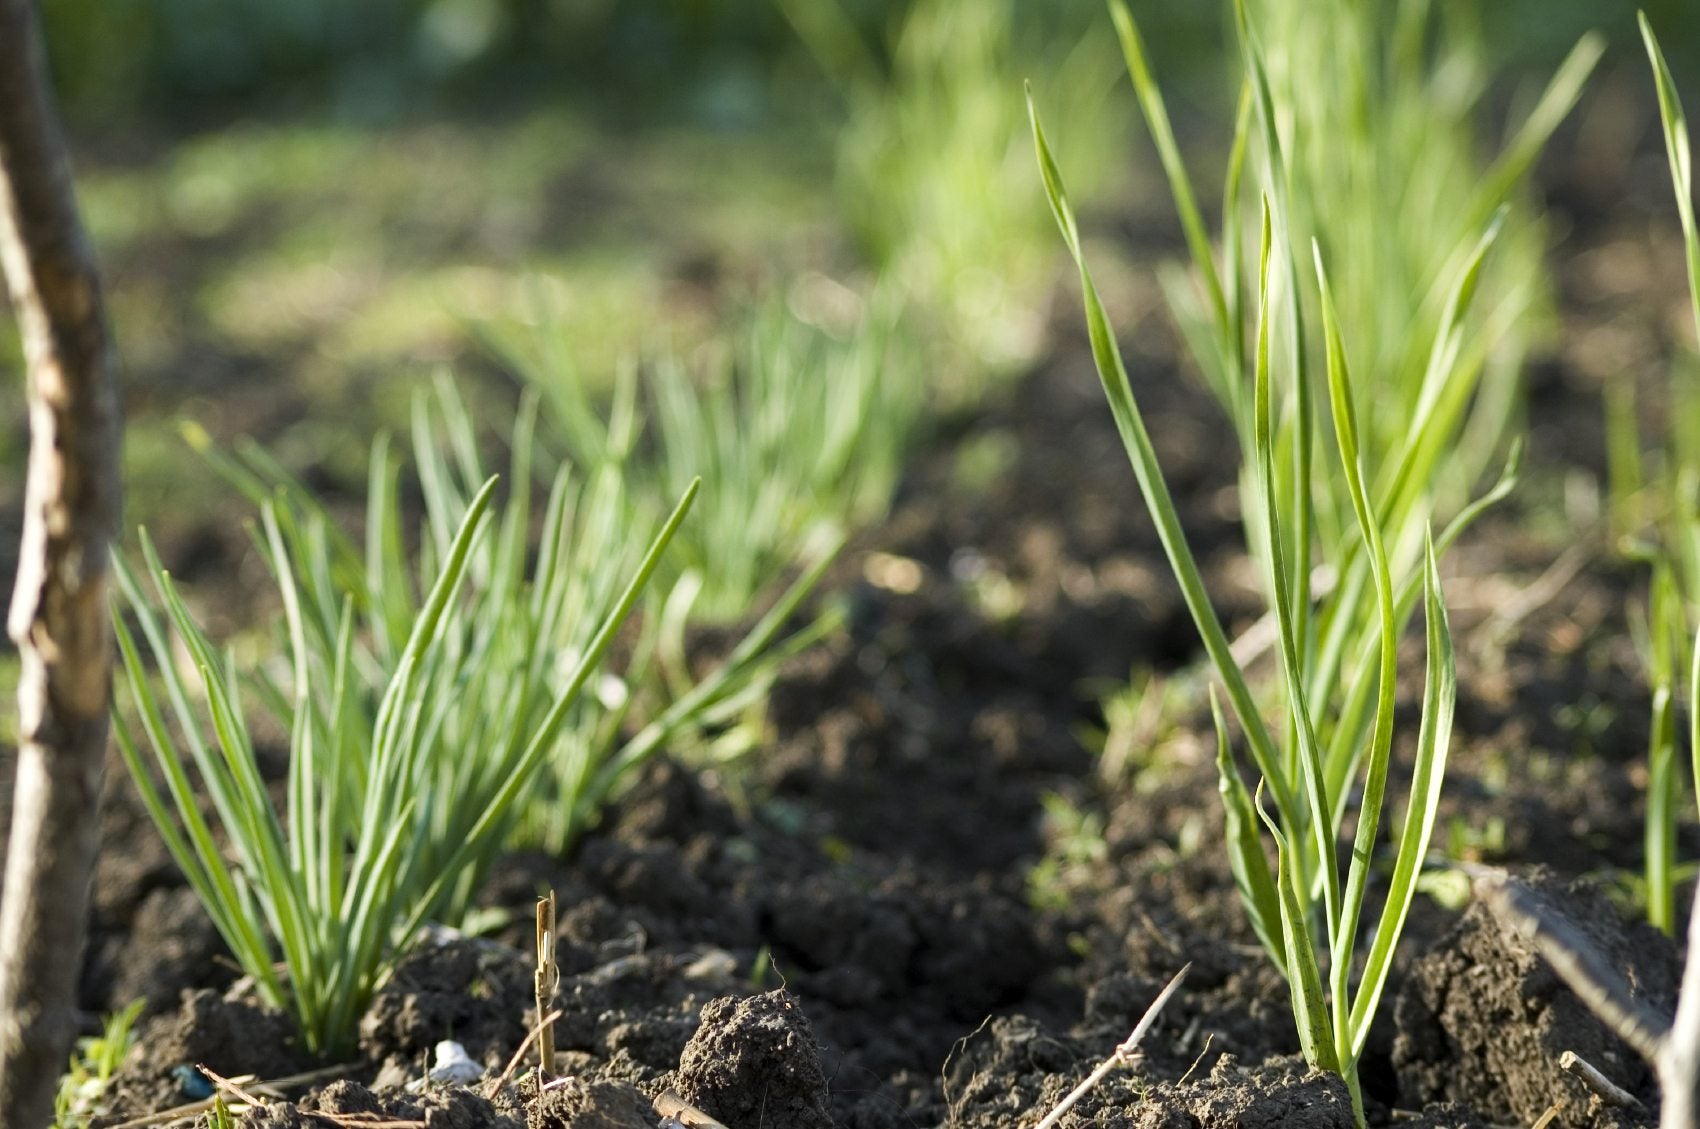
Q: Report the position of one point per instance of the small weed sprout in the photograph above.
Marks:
(418, 725)
(93, 1063)
(219, 1116)
(1345, 547)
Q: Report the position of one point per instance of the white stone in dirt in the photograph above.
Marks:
(453, 1067)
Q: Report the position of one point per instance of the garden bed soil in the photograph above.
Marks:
(925, 905)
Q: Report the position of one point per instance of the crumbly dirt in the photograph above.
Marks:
(754, 1061)
(925, 904)
(1483, 1018)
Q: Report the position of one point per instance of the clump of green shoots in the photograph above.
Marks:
(1658, 512)
(596, 515)
(799, 431)
(1345, 547)
(421, 710)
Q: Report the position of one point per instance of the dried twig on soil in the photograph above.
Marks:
(677, 1113)
(1591, 1077)
(544, 981)
(1122, 1054)
(495, 1087)
(59, 615)
(184, 1114)
(234, 1086)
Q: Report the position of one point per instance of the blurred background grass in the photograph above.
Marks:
(303, 207)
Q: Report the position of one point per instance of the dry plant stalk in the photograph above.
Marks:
(251, 1101)
(545, 980)
(1610, 1092)
(59, 614)
(1122, 1054)
(184, 1114)
(494, 1086)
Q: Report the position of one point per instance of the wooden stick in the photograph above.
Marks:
(1574, 958)
(676, 1111)
(60, 619)
(1678, 1065)
(1609, 1091)
(1671, 1048)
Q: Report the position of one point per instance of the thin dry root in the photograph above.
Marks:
(1120, 1055)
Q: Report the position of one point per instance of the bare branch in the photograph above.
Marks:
(59, 617)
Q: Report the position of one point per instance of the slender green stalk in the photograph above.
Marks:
(1672, 543)
(1433, 290)
(1302, 739)
(1112, 373)
(1664, 788)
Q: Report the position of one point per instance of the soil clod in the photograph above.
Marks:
(754, 1062)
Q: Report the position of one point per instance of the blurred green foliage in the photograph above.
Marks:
(732, 62)
(729, 63)
(375, 59)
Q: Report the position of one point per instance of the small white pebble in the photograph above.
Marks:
(453, 1067)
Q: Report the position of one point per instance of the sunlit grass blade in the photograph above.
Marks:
(1344, 411)
(1666, 632)
(1694, 716)
(1245, 847)
(193, 848)
(1180, 184)
(1672, 541)
(1677, 148)
(1304, 977)
(543, 740)
(390, 820)
(1555, 104)
(1290, 630)
(1434, 736)
(762, 644)
(1112, 373)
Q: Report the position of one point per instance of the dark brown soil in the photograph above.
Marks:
(883, 923)
(1483, 1018)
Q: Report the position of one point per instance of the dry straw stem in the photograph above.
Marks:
(1122, 1054)
(188, 1113)
(495, 1085)
(234, 1087)
(1609, 1091)
(545, 980)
